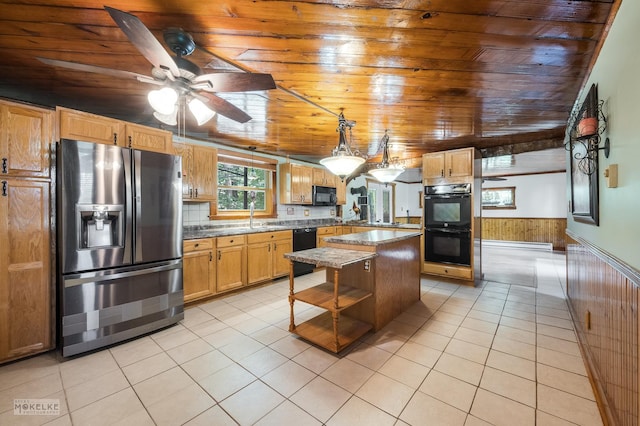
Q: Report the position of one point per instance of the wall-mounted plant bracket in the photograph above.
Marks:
(585, 127)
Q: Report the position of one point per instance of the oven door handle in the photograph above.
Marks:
(449, 231)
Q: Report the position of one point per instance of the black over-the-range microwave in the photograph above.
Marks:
(324, 196)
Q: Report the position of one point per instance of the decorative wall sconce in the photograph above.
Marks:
(585, 127)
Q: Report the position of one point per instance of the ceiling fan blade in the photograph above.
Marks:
(235, 82)
(144, 40)
(94, 68)
(224, 107)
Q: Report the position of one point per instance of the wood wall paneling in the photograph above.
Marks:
(533, 230)
(599, 287)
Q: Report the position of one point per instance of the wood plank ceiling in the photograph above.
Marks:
(437, 74)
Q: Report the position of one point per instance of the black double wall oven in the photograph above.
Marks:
(448, 213)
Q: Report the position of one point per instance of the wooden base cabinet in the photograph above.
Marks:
(198, 269)
(25, 268)
(322, 232)
(231, 262)
(265, 255)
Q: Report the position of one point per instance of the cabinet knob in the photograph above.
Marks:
(219, 255)
(130, 143)
(196, 192)
(4, 188)
(115, 138)
(231, 241)
(5, 165)
(197, 245)
(210, 256)
(449, 172)
(441, 172)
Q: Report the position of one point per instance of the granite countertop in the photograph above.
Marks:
(191, 233)
(328, 256)
(372, 238)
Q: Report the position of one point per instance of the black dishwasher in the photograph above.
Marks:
(303, 239)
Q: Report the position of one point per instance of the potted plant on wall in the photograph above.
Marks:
(587, 126)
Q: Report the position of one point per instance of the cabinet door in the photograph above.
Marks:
(433, 165)
(231, 268)
(25, 140)
(281, 263)
(25, 282)
(148, 138)
(303, 183)
(458, 163)
(341, 191)
(198, 275)
(82, 126)
(259, 265)
(204, 173)
(323, 177)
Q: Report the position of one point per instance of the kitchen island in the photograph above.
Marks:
(371, 277)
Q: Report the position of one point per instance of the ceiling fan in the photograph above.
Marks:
(181, 79)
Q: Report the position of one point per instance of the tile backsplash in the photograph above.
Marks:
(197, 214)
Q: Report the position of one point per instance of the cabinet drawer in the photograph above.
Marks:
(327, 230)
(462, 272)
(197, 245)
(234, 240)
(262, 237)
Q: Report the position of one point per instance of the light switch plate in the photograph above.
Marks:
(611, 175)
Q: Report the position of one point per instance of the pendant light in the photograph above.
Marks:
(343, 160)
(386, 171)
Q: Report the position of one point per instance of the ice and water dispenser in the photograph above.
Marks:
(100, 225)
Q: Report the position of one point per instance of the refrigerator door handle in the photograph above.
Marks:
(97, 278)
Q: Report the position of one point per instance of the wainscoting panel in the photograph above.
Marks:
(533, 230)
(603, 296)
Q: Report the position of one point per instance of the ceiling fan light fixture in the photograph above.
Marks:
(169, 119)
(200, 111)
(343, 161)
(163, 100)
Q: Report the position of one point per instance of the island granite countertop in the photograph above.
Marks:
(372, 238)
(328, 256)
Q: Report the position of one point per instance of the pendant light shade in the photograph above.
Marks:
(343, 160)
(386, 171)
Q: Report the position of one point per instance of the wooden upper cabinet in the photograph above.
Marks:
(295, 183)
(341, 192)
(26, 134)
(323, 177)
(83, 126)
(148, 138)
(448, 166)
(204, 173)
(25, 268)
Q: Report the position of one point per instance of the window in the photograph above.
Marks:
(241, 181)
(499, 198)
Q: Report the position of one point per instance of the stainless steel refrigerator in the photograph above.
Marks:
(119, 243)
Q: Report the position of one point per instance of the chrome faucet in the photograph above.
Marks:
(252, 207)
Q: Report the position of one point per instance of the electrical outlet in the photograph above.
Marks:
(306, 212)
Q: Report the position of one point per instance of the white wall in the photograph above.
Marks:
(408, 199)
(537, 196)
(616, 74)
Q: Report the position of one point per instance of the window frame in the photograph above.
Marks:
(248, 161)
(512, 206)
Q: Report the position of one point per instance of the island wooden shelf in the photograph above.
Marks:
(324, 296)
(332, 330)
(320, 330)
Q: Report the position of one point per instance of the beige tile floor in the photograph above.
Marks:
(496, 354)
